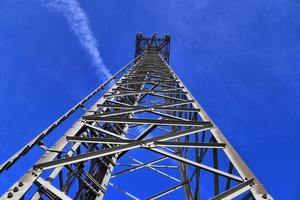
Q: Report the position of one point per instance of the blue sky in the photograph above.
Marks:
(240, 59)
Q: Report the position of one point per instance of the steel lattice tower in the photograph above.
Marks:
(148, 120)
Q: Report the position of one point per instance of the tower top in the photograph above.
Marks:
(162, 44)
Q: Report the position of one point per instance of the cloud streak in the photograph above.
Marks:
(79, 23)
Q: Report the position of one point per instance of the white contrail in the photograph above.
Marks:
(79, 23)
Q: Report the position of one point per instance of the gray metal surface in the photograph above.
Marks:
(150, 111)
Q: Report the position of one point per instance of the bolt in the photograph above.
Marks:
(264, 196)
(39, 169)
(10, 195)
(252, 184)
(21, 184)
(16, 189)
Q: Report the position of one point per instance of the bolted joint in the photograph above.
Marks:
(10, 195)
